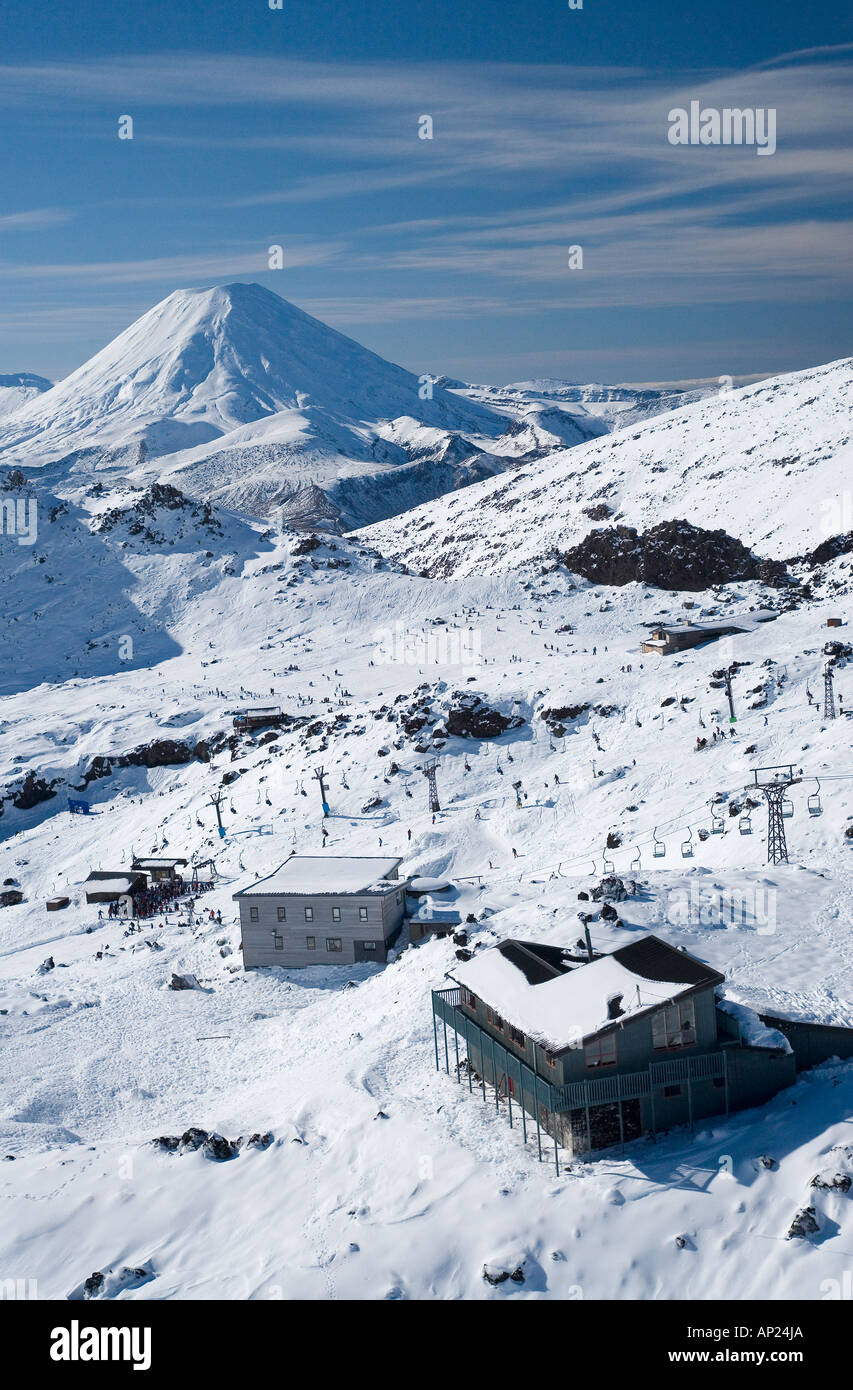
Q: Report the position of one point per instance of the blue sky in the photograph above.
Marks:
(299, 127)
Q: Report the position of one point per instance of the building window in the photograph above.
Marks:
(495, 1020)
(516, 1036)
(674, 1026)
(601, 1052)
(368, 945)
(550, 1059)
(278, 942)
(671, 1091)
(362, 914)
(309, 914)
(253, 914)
(469, 999)
(336, 914)
(311, 943)
(333, 943)
(282, 914)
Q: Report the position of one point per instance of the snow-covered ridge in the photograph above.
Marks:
(716, 462)
(16, 388)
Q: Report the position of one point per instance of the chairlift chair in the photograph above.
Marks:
(687, 845)
(609, 867)
(718, 825)
(636, 865)
(659, 851)
(745, 824)
(787, 807)
(814, 804)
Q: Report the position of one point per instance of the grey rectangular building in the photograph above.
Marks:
(322, 910)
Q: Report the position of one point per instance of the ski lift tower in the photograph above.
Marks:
(429, 773)
(215, 802)
(828, 692)
(320, 777)
(732, 715)
(774, 782)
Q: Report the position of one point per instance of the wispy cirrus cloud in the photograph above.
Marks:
(232, 152)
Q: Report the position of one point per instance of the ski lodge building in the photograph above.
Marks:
(667, 638)
(161, 870)
(600, 1049)
(114, 886)
(259, 718)
(322, 910)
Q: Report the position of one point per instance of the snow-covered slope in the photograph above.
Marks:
(383, 1177)
(139, 620)
(770, 463)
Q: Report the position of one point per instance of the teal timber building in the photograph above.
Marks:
(588, 1052)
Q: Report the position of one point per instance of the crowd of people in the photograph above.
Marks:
(157, 897)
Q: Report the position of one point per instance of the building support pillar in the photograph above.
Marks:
(434, 1033)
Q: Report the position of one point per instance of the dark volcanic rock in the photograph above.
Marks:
(803, 1224)
(470, 717)
(557, 718)
(260, 1141)
(672, 555)
(828, 550)
(836, 1182)
(33, 791)
(613, 888)
(217, 1147)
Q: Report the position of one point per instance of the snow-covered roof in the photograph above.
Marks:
(429, 885)
(110, 885)
(559, 1001)
(157, 863)
(322, 874)
(742, 622)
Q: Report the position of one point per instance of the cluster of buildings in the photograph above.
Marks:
(146, 881)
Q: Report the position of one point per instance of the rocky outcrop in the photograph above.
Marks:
(673, 555)
(613, 889)
(832, 1182)
(470, 717)
(161, 752)
(33, 791)
(212, 1144)
(828, 550)
(803, 1224)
